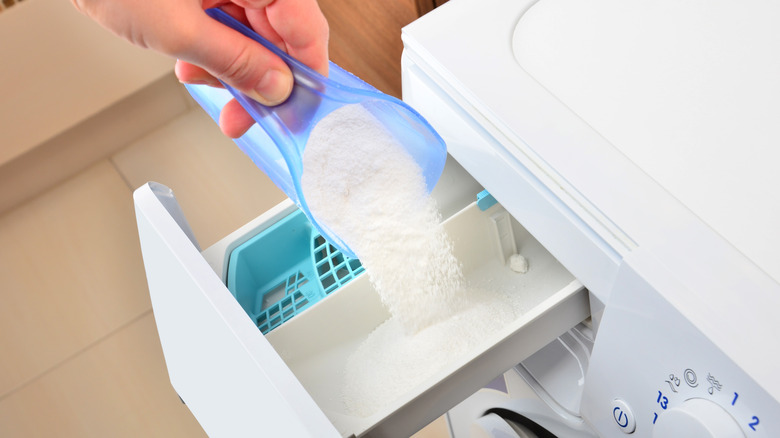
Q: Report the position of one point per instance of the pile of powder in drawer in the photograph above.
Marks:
(363, 185)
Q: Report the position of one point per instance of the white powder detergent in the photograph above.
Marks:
(363, 185)
(389, 363)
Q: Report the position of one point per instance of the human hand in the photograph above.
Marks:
(206, 49)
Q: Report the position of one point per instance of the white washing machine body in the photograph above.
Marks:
(637, 142)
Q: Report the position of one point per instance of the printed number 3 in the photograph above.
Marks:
(662, 400)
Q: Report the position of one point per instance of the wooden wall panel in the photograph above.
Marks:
(365, 38)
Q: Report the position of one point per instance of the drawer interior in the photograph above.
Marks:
(371, 378)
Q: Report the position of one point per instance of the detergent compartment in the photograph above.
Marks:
(317, 309)
(312, 374)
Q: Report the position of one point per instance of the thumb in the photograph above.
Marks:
(238, 61)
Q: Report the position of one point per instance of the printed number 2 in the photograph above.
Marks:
(754, 423)
(662, 400)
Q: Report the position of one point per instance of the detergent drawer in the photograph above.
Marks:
(323, 372)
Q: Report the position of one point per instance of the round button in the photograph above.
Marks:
(699, 418)
(623, 416)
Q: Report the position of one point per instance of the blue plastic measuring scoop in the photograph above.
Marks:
(277, 141)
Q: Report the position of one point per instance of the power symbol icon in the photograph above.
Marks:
(620, 417)
(623, 416)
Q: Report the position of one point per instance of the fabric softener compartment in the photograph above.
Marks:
(284, 270)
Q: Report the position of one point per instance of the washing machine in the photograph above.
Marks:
(636, 140)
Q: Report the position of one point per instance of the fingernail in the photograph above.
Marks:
(274, 88)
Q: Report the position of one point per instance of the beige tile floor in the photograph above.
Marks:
(79, 353)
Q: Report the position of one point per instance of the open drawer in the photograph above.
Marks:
(323, 372)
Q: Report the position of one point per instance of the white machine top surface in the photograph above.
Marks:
(687, 90)
(678, 90)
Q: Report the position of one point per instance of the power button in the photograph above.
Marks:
(623, 416)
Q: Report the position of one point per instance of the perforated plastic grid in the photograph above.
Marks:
(333, 271)
(293, 302)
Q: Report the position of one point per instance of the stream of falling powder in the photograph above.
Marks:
(364, 186)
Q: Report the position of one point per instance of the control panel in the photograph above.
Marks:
(701, 406)
(654, 374)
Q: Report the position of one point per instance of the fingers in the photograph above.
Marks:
(303, 28)
(207, 49)
(192, 74)
(237, 60)
(234, 121)
(296, 26)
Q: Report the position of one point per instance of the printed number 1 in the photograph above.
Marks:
(655, 416)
